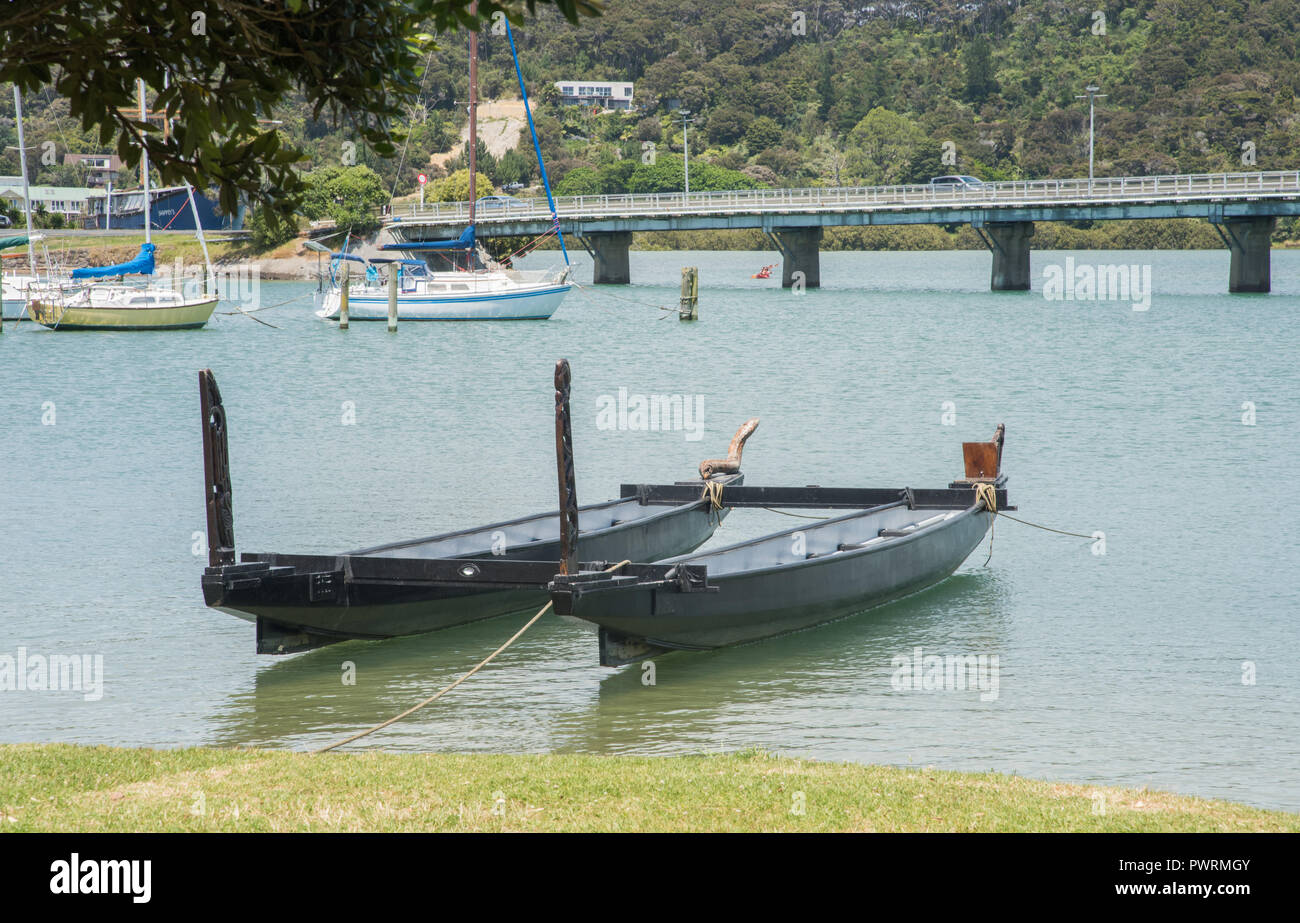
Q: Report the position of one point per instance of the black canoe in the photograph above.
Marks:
(301, 602)
(790, 580)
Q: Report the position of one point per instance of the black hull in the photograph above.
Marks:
(750, 605)
(301, 602)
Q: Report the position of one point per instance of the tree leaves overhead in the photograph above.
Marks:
(219, 68)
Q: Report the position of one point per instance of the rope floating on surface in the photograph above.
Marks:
(441, 692)
(986, 496)
(1047, 529)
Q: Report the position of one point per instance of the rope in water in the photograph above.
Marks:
(441, 692)
(986, 495)
(642, 304)
(267, 308)
(1047, 529)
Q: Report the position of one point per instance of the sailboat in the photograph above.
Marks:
(15, 288)
(96, 305)
(476, 287)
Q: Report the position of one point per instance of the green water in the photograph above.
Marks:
(1124, 668)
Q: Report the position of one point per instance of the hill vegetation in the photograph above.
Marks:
(844, 93)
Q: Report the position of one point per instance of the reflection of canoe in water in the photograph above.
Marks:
(300, 602)
(794, 579)
(119, 307)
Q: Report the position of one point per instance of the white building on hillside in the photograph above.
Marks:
(595, 93)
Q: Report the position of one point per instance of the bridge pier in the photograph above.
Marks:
(1009, 243)
(800, 256)
(1250, 241)
(609, 251)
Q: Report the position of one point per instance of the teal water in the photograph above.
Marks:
(1125, 668)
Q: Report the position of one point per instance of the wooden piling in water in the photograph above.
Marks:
(688, 307)
(392, 297)
(343, 298)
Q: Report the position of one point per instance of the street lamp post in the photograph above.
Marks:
(1092, 98)
(686, 149)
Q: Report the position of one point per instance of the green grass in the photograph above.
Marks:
(59, 787)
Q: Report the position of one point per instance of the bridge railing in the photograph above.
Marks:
(1101, 190)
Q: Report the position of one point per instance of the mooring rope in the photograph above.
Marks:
(1048, 529)
(267, 308)
(795, 515)
(641, 304)
(441, 692)
(987, 496)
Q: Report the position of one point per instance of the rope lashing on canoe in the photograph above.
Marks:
(713, 493)
(446, 689)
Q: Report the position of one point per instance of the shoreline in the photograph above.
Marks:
(70, 787)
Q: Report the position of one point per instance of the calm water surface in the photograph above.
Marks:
(1122, 669)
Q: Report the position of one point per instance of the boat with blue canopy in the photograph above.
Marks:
(100, 298)
(475, 286)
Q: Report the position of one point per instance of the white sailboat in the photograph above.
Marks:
(15, 287)
(476, 288)
(100, 305)
(492, 292)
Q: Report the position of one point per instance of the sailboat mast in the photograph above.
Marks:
(27, 195)
(208, 278)
(144, 168)
(473, 110)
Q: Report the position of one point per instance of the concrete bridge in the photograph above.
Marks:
(1243, 208)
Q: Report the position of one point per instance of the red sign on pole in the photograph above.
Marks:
(422, 179)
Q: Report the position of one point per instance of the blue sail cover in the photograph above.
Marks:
(142, 264)
(464, 242)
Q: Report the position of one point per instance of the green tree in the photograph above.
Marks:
(455, 188)
(228, 64)
(762, 134)
(269, 228)
(580, 181)
(348, 195)
(881, 147)
(977, 59)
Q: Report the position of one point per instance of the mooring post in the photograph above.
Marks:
(564, 468)
(343, 298)
(392, 297)
(687, 308)
(216, 472)
(2, 288)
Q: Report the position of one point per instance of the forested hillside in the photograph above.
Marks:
(846, 92)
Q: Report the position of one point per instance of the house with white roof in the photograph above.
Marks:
(600, 93)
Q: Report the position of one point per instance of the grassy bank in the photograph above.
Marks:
(70, 788)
